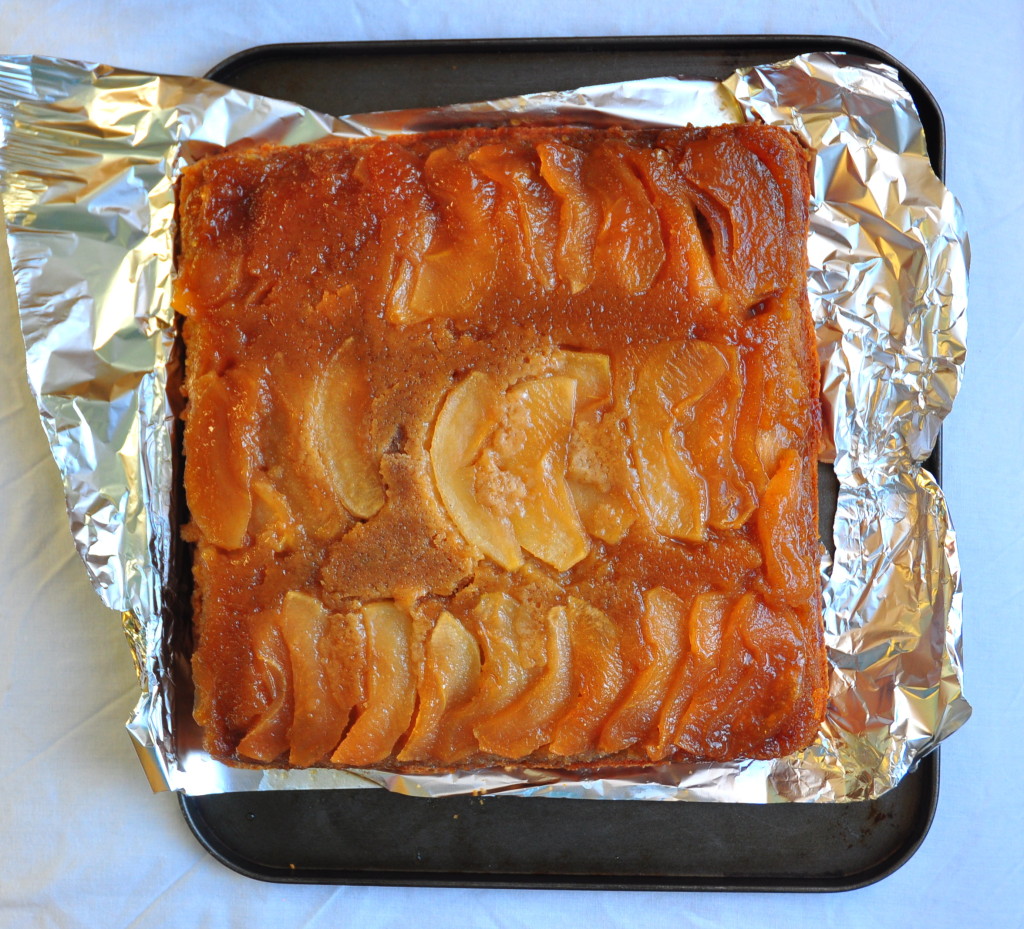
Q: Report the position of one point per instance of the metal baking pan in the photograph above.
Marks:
(373, 836)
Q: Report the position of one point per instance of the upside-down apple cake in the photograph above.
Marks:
(501, 449)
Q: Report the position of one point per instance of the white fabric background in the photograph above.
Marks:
(85, 843)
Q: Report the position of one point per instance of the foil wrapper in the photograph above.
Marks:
(89, 156)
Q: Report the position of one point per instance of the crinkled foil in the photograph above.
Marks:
(88, 159)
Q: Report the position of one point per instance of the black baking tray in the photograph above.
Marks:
(376, 837)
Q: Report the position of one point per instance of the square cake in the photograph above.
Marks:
(501, 449)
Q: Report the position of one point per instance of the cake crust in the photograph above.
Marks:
(501, 449)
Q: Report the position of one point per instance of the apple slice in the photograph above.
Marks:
(592, 372)
(267, 736)
(451, 671)
(629, 249)
(596, 449)
(342, 650)
(772, 636)
(291, 446)
(271, 523)
(220, 454)
(335, 429)
(508, 659)
(460, 263)
(318, 719)
(752, 689)
(516, 172)
(744, 206)
(731, 669)
(704, 638)
(775, 395)
(707, 619)
(597, 678)
(671, 381)
(391, 688)
(684, 245)
(407, 223)
(662, 623)
(527, 723)
(606, 514)
(467, 418)
(781, 519)
(708, 436)
(579, 213)
(595, 472)
(532, 445)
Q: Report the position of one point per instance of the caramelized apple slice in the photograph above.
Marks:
(629, 246)
(318, 720)
(220, 454)
(742, 203)
(671, 381)
(516, 172)
(708, 437)
(597, 679)
(532, 445)
(704, 638)
(661, 622)
(335, 429)
(579, 214)
(705, 627)
(605, 514)
(775, 153)
(407, 223)
(451, 671)
(775, 394)
(526, 724)
(686, 255)
(770, 445)
(748, 445)
(504, 675)
(596, 449)
(391, 688)
(464, 424)
(267, 737)
(772, 637)
(730, 669)
(751, 691)
(784, 517)
(271, 521)
(343, 660)
(458, 268)
(592, 372)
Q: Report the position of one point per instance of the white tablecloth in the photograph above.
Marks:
(85, 843)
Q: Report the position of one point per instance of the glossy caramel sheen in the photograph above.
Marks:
(500, 448)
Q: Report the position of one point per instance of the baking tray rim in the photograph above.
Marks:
(928, 768)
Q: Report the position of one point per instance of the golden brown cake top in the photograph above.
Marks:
(501, 446)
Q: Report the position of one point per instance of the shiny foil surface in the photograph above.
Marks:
(89, 156)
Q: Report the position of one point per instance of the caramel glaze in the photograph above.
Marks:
(419, 260)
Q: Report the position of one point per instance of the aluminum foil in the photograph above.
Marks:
(88, 160)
